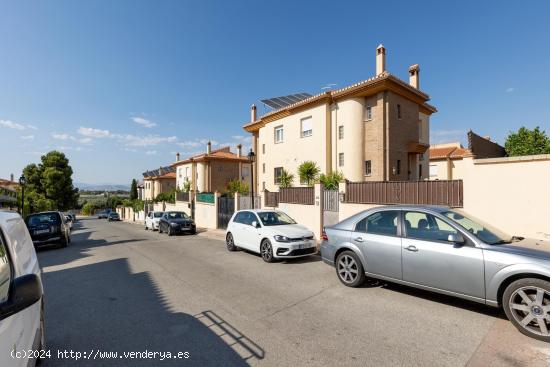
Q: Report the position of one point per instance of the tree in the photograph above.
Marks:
(331, 180)
(237, 185)
(88, 209)
(308, 172)
(169, 197)
(286, 179)
(527, 142)
(186, 185)
(133, 190)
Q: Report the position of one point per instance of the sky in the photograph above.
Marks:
(121, 86)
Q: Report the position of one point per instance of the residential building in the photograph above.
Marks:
(8, 193)
(212, 170)
(158, 181)
(447, 160)
(141, 190)
(374, 130)
(10, 184)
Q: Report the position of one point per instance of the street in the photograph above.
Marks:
(119, 288)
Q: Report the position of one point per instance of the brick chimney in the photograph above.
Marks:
(239, 150)
(380, 59)
(209, 147)
(414, 76)
(11, 178)
(177, 156)
(253, 114)
(160, 171)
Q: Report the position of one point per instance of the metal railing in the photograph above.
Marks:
(330, 200)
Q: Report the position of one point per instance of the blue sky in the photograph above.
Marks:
(120, 86)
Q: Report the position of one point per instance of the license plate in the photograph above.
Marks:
(303, 246)
(40, 231)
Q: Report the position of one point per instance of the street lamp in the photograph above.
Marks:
(252, 159)
(22, 182)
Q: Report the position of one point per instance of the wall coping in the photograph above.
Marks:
(523, 158)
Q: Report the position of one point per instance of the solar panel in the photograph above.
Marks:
(284, 101)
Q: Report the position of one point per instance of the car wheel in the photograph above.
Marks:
(349, 269)
(64, 242)
(170, 231)
(230, 243)
(526, 303)
(160, 228)
(267, 251)
(146, 226)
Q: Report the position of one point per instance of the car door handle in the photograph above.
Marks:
(358, 239)
(411, 248)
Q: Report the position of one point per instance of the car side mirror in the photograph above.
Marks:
(26, 291)
(456, 238)
(255, 224)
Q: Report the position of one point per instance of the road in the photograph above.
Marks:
(119, 288)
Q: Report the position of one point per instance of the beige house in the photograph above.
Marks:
(374, 130)
(447, 161)
(212, 170)
(158, 181)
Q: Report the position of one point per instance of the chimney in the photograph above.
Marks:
(177, 156)
(239, 150)
(253, 115)
(11, 178)
(208, 147)
(160, 171)
(380, 59)
(414, 77)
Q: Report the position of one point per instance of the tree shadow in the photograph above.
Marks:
(104, 307)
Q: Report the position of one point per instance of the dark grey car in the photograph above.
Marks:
(446, 251)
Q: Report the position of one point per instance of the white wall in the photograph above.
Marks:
(206, 215)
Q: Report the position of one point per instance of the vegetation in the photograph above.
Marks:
(88, 209)
(331, 180)
(286, 179)
(169, 197)
(133, 190)
(186, 186)
(239, 186)
(50, 184)
(527, 142)
(308, 172)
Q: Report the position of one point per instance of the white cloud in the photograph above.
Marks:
(32, 127)
(85, 140)
(144, 122)
(61, 136)
(12, 125)
(93, 133)
(151, 152)
(144, 141)
(510, 89)
(190, 144)
(27, 137)
(241, 138)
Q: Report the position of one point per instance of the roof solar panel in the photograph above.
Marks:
(284, 101)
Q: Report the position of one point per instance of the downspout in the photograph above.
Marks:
(385, 132)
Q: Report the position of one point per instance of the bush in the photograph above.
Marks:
(88, 209)
(331, 180)
(239, 186)
(308, 172)
(286, 179)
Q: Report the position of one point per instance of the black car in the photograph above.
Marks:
(176, 222)
(48, 228)
(113, 216)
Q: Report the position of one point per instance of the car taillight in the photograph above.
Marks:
(324, 236)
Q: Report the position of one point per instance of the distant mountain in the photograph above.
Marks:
(101, 187)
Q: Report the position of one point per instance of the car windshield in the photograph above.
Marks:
(275, 218)
(478, 228)
(157, 214)
(46, 218)
(177, 215)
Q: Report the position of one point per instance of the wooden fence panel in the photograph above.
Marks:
(297, 195)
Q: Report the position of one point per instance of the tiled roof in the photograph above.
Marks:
(452, 152)
(218, 154)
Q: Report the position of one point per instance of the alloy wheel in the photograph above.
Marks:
(530, 307)
(347, 269)
(229, 242)
(267, 254)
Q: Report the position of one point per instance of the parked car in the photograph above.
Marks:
(21, 302)
(102, 214)
(152, 220)
(47, 228)
(446, 251)
(113, 216)
(271, 233)
(174, 222)
(72, 216)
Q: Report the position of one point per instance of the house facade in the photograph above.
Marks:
(211, 171)
(158, 181)
(374, 130)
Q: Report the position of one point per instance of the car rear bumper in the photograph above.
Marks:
(46, 241)
(327, 253)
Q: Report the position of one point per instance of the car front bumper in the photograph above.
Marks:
(293, 250)
(184, 229)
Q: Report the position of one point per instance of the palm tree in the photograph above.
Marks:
(308, 172)
(331, 180)
(285, 179)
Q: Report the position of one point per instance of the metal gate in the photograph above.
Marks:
(226, 208)
(245, 202)
(331, 204)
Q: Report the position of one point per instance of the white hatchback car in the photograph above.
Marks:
(21, 303)
(271, 233)
(152, 220)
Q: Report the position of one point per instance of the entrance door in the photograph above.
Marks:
(226, 208)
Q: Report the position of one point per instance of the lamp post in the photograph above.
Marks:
(251, 159)
(22, 182)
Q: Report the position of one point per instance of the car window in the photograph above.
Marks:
(275, 218)
(239, 218)
(248, 218)
(5, 271)
(45, 218)
(383, 223)
(158, 214)
(426, 226)
(176, 215)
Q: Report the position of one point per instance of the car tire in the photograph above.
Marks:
(170, 231)
(349, 269)
(526, 303)
(146, 226)
(266, 251)
(160, 228)
(230, 243)
(64, 242)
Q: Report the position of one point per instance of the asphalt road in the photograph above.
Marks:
(119, 288)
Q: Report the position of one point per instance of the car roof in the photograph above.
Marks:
(48, 212)
(258, 210)
(6, 215)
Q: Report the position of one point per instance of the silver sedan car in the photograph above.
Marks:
(445, 250)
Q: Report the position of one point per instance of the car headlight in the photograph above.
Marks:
(279, 238)
(174, 224)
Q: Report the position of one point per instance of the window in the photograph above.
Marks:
(263, 185)
(277, 172)
(382, 223)
(5, 271)
(263, 148)
(368, 168)
(245, 218)
(279, 134)
(398, 168)
(341, 132)
(275, 219)
(186, 171)
(428, 227)
(399, 111)
(368, 113)
(434, 170)
(179, 172)
(420, 171)
(240, 217)
(263, 167)
(341, 159)
(307, 126)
